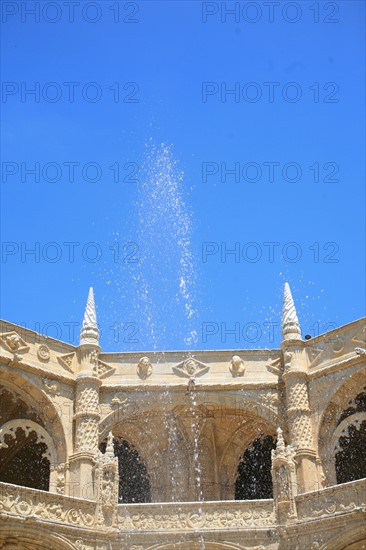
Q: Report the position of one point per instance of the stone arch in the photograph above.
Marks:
(140, 433)
(353, 538)
(16, 537)
(27, 454)
(332, 417)
(40, 404)
(248, 430)
(197, 545)
(158, 432)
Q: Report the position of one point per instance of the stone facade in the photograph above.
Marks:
(189, 419)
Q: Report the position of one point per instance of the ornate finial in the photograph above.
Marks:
(89, 332)
(280, 445)
(290, 323)
(109, 450)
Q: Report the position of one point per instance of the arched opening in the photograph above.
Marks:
(346, 405)
(26, 449)
(23, 461)
(254, 480)
(134, 483)
(350, 461)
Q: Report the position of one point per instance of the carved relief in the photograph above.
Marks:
(237, 366)
(284, 479)
(51, 386)
(47, 506)
(14, 343)
(60, 481)
(106, 482)
(298, 397)
(104, 370)
(43, 353)
(87, 400)
(66, 361)
(302, 431)
(87, 434)
(275, 366)
(314, 355)
(191, 368)
(144, 368)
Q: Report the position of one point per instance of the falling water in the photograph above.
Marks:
(164, 286)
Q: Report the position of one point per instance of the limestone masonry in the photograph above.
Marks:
(240, 449)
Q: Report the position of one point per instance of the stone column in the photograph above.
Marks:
(297, 397)
(87, 413)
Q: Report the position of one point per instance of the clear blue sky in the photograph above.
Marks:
(151, 73)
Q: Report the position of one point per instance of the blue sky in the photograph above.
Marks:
(136, 121)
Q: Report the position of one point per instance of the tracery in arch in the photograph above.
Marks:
(26, 452)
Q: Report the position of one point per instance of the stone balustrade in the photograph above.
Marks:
(215, 515)
(331, 501)
(16, 501)
(42, 505)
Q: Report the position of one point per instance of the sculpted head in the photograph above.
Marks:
(237, 366)
(191, 366)
(144, 368)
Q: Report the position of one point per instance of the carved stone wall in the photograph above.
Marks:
(188, 418)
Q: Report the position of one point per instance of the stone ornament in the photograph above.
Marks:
(104, 370)
(144, 368)
(43, 353)
(191, 368)
(290, 322)
(66, 360)
(51, 386)
(14, 343)
(89, 332)
(10, 428)
(237, 367)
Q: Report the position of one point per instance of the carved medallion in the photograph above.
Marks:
(43, 353)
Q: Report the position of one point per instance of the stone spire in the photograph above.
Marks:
(89, 333)
(290, 323)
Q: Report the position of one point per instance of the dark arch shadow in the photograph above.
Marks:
(134, 483)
